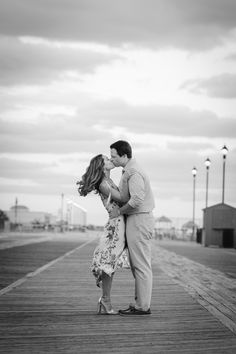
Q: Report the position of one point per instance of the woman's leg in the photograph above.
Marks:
(105, 300)
(106, 286)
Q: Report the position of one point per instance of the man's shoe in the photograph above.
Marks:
(132, 311)
(128, 309)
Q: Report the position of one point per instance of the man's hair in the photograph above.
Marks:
(123, 148)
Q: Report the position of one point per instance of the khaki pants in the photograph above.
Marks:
(139, 233)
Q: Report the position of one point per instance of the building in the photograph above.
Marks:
(219, 226)
(76, 215)
(21, 215)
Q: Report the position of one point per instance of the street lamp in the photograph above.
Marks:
(194, 173)
(207, 164)
(62, 207)
(16, 210)
(224, 151)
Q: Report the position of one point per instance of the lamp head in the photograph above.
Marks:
(194, 171)
(224, 151)
(207, 163)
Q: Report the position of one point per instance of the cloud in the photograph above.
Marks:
(221, 86)
(158, 23)
(77, 75)
(169, 171)
(50, 135)
(38, 171)
(35, 177)
(171, 177)
(231, 56)
(38, 63)
(189, 146)
(162, 120)
(40, 189)
(94, 128)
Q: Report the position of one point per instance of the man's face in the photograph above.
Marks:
(116, 159)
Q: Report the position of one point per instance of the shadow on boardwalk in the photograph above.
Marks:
(54, 311)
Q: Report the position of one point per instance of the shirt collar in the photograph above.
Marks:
(128, 165)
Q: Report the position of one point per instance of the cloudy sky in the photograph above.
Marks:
(77, 75)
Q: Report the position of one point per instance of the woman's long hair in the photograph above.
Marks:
(93, 176)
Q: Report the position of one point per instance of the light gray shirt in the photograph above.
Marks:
(135, 189)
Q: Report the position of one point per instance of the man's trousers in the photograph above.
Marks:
(139, 233)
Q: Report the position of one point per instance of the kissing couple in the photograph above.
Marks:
(126, 240)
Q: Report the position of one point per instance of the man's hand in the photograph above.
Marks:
(114, 213)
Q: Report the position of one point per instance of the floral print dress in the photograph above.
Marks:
(111, 252)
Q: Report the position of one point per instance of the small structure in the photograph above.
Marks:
(188, 230)
(219, 226)
(163, 227)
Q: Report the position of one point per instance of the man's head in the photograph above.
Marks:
(121, 152)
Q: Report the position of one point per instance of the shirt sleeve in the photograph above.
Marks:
(136, 189)
(124, 189)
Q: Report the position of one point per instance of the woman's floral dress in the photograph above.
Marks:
(111, 252)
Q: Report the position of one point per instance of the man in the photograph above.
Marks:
(137, 196)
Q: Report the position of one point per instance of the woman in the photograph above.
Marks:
(108, 255)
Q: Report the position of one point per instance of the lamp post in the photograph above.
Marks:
(16, 209)
(207, 164)
(194, 173)
(224, 151)
(62, 207)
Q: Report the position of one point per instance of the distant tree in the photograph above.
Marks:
(3, 218)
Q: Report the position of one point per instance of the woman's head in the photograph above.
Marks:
(108, 164)
(94, 174)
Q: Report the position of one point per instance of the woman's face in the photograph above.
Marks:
(108, 165)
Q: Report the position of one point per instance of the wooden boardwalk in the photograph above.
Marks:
(54, 311)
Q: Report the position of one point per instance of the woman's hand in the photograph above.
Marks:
(114, 212)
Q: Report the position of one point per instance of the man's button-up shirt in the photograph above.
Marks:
(135, 188)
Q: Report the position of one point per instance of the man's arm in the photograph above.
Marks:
(136, 190)
(137, 194)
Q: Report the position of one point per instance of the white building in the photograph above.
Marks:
(75, 215)
(21, 215)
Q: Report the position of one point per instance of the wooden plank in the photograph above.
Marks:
(55, 312)
(211, 288)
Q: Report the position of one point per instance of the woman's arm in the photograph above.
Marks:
(115, 195)
(106, 189)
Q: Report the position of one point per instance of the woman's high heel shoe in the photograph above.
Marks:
(105, 308)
